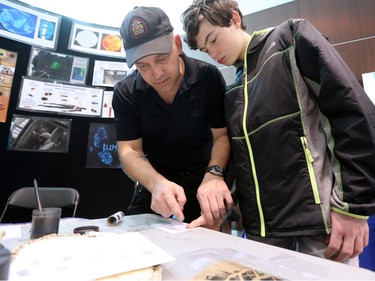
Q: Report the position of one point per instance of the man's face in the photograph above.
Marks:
(162, 71)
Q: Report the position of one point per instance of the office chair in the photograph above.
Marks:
(25, 198)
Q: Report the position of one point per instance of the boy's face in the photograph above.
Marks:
(223, 44)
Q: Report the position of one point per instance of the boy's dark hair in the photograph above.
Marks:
(217, 12)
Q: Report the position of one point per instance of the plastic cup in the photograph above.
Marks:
(44, 222)
(5, 257)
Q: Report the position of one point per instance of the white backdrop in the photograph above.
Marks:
(112, 12)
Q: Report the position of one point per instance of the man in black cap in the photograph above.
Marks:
(171, 131)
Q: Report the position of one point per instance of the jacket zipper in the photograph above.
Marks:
(310, 161)
(251, 156)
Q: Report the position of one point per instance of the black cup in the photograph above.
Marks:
(5, 257)
(44, 222)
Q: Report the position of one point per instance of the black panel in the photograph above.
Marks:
(103, 191)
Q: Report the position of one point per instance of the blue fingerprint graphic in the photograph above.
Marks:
(100, 146)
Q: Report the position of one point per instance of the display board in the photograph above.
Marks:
(29, 25)
(97, 40)
(45, 96)
(108, 73)
(57, 66)
(107, 110)
(39, 134)
(102, 147)
(369, 85)
(8, 60)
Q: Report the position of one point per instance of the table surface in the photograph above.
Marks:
(206, 244)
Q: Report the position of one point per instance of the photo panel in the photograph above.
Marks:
(59, 98)
(55, 66)
(8, 60)
(102, 147)
(96, 39)
(108, 73)
(27, 24)
(39, 134)
(107, 110)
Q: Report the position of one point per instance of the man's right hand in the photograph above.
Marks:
(168, 198)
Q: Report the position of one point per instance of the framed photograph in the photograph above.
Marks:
(8, 60)
(108, 73)
(96, 39)
(102, 147)
(55, 66)
(39, 134)
(60, 98)
(30, 25)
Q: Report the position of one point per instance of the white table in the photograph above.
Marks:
(284, 263)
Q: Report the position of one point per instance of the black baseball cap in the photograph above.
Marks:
(145, 31)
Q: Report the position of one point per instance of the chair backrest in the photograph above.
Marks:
(63, 197)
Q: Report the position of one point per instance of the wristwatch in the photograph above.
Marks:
(215, 170)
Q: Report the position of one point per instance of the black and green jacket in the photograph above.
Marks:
(302, 135)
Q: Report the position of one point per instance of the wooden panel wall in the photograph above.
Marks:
(271, 17)
(342, 20)
(349, 25)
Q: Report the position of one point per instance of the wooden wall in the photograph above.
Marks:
(349, 25)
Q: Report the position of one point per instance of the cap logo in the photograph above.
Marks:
(138, 28)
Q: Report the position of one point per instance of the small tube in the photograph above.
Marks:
(115, 219)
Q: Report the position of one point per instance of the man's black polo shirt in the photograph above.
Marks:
(175, 137)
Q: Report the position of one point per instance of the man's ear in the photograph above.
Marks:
(178, 42)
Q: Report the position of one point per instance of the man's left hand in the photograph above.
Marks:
(214, 198)
(201, 221)
(349, 236)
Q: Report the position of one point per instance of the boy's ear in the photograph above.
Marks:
(236, 19)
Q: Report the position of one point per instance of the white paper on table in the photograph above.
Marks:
(171, 226)
(83, 258)
(12, 231)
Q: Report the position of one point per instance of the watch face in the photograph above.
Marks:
(216, 170)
